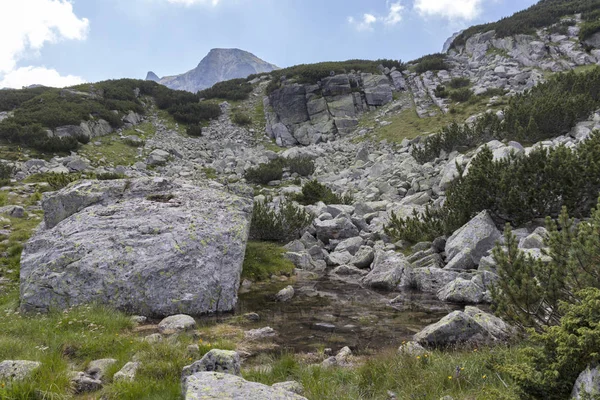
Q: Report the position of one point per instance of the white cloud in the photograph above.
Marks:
(450, 9)
(395, 14)
(26, 26)
(365, 24)
(368, 21)
(26, 76)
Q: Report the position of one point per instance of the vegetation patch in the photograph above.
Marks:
(264, 259)
(234, 89)
(241, 119)
(281, 223)
(314, 192)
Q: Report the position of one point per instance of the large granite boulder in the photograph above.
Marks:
(215, 385)
(466, 246)
(289, 103)
(150, 246)
(378, 91)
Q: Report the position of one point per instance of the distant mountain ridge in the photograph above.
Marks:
(219, 65)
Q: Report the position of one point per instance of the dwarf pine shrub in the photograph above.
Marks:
(265, 173)
(314, 192)
(278, 224)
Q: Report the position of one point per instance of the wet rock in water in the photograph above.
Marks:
(150, 246)
(290, 386)
(587, 384)
(176, 324)
(17, 370)
(127, 373)
(323, 326)
(224, 361)
(214, 385)
(260, 334)
(285, 294)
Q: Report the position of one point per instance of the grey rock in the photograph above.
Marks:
(260, 334)
(214, 385)
(13, 211)
(97, 369)
(285, 294)
(472, 241)
(461, 291)
(17, 370)
(351, 245)
(83, 383)
(413, 349)
(176, 324)
(588, 383)
(455, 328)
(127, 373)
(431, 279)
(118, 243)
(224, 361)
(388, 270)
(363, 258)
(290, 386)
(499, 329)
(339, 228)
(158, 157)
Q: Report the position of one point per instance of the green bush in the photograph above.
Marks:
(194, 130)
(109, 176)
(265, 173)
(59, 181)
(441, 92)
(302, 166)
(282, 224)
(241, 119)
(314, 192)
(431, 62)
(6, 172)
(560, 353)
(514, 190)
(194, 113)
(457, 83)
(234, 89)
(461, 95)
(264, 259)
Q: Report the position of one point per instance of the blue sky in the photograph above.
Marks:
(60, 42)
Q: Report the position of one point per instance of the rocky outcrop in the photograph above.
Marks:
(309, 114)
(218, 65)
(86, 130)
(17, 370)
(151, 246)
(214, 385)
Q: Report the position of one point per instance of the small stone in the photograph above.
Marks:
(225, 361)
(83, 383)
(127, 373)
(290, 386)
(176, 324)
(252, 317)
(17, 370)
(260, 334)
(285, 294)
(154, 338)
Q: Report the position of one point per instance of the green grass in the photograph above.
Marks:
(264, 259)
(408, 125)
(409, 377)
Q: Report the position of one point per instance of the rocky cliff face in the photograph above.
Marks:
(219, 65)
(309, 114)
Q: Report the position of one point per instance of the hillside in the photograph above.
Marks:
(218, 65)
(360, 229)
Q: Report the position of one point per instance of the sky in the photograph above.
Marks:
(65, 42)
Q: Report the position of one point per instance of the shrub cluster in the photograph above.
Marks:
(234, 89)
(431, 62)
(457, 83)
(560, 299)
(6, 172)
(273, 170)
(278, 224)
(461, 95)
(514, 190)
(194, 130)
(548, 110)
(544, 13)
(314, 192)
(241, 119)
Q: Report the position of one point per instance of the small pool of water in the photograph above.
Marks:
(327, 313)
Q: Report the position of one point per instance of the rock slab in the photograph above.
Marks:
(149, 246)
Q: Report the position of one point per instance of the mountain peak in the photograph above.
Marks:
(152, 77)
(218, 65)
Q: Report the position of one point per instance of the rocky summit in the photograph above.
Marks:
(218, 65)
